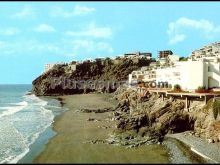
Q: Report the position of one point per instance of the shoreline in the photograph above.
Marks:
(70, 144)
(38, 146)
(193, 153)
(207, 152)
(43, 138)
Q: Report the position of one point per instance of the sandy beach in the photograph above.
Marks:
(72, 143)
(74, 132)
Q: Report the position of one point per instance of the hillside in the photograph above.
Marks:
(106, 70)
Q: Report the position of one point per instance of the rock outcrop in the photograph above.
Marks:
(206, 125)
(154, 117)
(61, 81)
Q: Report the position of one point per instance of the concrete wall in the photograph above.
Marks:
(72, 67)
(192, 74)
(170, 75)
(213, 74)
(188, 74)
(47, 67)
(173, 58)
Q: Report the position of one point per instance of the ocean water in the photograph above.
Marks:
(23, 119)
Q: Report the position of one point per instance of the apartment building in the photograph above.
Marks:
(212, 50)
(204, 70)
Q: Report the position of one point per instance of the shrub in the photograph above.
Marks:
(216, 109)
(177, 87)
(201, 89)
(183, 58)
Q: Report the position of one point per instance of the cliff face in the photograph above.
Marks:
(154, 117)
(206, 125)
(56, 80)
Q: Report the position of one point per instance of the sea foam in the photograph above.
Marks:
(25, 127)
(13, 109)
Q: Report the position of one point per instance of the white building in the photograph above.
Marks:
(212, 50)
(142, 75)
(188, 74)
(47, 67)
(162, 61)
(191, 74)
(173, 58)
(70, 67)
(170, 75)
(169, 60)
(138, 55)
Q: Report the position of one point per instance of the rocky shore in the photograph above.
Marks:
(154, 117)
(147, 120)
(84, 135)
(139, 120)
(153, 120)
(125, 124)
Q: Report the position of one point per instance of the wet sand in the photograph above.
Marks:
(70, 145)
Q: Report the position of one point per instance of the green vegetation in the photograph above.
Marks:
(201, 89)
(208, 106)
(216, 108)
(177, 87)
(100, 69)
(107, 70)
(183, 58)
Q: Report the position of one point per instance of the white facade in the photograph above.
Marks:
(188, 74)
(201, 70)
(162, 61)
(173, 58)
(212, 50)
(191, 74)
(72, 67)
(142, 75)
(47, 67)
(170, 75)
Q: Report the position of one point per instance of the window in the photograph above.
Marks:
(209, 69)
(176, 74)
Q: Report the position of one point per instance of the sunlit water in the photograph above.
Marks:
(22, 119)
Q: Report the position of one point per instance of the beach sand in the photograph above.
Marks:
(70, 145)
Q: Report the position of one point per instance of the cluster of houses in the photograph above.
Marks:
(201, 69)
(70, 67)
(135, 57)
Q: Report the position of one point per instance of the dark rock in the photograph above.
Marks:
(60, 81)
(85, 110)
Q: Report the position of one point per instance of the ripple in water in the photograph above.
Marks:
(20, 125)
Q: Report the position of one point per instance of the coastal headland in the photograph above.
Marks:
(131, 118)
(81, 136)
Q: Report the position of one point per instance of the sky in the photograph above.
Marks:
(35, 33)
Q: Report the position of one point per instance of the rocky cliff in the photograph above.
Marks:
(152, 117)
(105, 70)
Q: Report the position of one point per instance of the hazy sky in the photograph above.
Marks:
(35, 33)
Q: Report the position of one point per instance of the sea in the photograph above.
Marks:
(25, 121)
